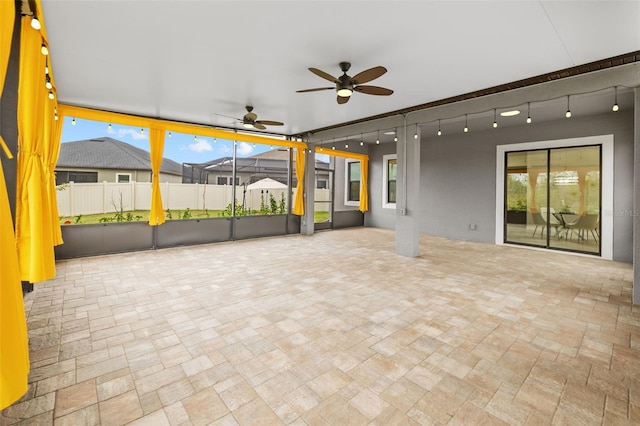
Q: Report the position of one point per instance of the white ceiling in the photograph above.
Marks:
(191, 60)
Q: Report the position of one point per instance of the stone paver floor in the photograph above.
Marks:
(333, 329)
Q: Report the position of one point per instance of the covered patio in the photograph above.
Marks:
(240, 333)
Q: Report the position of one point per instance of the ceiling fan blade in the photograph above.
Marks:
(373, 90)
(324, 75)
(269, 123)
(315, 90)
(259, 126)
(368, 75)
(343, 100)
(227, 116)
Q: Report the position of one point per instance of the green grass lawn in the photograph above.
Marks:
(138, 216)
(143, 216)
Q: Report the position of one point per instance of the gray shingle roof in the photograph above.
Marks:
(109, 153)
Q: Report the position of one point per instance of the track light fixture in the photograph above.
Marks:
(528, 112)
(495, 123)
(615, 102)
(568, 113)
(466, 127)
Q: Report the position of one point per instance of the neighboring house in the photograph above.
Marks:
(109, 160)
(270, 164)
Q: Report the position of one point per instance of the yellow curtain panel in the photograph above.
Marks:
(14, 349)
(34, 232)
(156, 142)
(364, 172)
(298, 202)
(53, 133)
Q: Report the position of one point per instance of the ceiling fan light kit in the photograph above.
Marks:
(346, 85)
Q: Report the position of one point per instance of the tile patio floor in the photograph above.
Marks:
(333, 329)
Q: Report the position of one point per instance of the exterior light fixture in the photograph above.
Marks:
(495, 123)
(378, 138)
(415, 135)
(439, 131)
(615, 107)
(73, 121)
(109, 127)
(568, 113)
(44, 49)
(528, 112)
(466, 127)
(47, 83)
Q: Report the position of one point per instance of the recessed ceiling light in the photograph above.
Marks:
(510, 113)
(391, 132)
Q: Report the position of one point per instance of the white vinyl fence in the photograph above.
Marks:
(108, 197)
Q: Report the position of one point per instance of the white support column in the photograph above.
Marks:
(307, 221)
(407, 191)
(636, 200)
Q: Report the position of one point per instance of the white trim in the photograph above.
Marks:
(348, 161)
(123, 174)
(385, 172)
(606, 216)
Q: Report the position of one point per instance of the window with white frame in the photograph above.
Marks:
(123, 177)
(352, 183)
(389, 173)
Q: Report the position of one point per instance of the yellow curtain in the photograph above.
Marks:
(364, 172)
(364, 177)
(33, 225)
(14, 348)
(52, 135)
(298, 203)
(156, 142)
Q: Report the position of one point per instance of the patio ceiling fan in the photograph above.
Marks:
(346, 85)
(250, 121)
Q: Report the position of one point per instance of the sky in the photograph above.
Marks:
(180, 147)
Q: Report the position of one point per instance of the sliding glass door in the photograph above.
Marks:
(553, 198)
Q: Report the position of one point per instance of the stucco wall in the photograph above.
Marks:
(458, 177)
